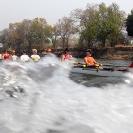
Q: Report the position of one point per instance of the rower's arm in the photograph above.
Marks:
(95, 61)
(62, 58)
(86, 62)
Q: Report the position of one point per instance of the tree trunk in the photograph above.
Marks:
(81, 42)
(67, 42)
(63, 42)
(103, 42)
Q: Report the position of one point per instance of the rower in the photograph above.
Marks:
(0, 57)
(14, 56)
(129, 67)
(5, 55)
(35, 57)
(90, 61)
(66, 55)
(24, 57)
(48, 53)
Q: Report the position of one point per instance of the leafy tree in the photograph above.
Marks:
(38, 33)
(54, 35)
(3, 35)
(17, 34)
(110, 21)
(99, 24)
(129, 24)
(91, 30)
(27, 33)
(86, 22)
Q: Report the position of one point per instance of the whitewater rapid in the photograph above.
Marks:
(41, 98)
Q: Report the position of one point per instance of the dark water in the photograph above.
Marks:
(99, 81)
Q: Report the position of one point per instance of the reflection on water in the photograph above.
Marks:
(95, 81)
(44, 98)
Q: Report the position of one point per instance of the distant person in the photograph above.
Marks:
(24, 57)
(48, 50)
(89, 60)
(130, 67)
(66, 55)
(5, 55)
(48, 53)
(14, 57)
(35, 57)
(0, 57)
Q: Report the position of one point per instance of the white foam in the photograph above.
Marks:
(52, 102)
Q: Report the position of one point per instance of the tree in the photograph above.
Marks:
(129, 24)
(65, 28)
(90, 31)
(99, 23)
(54, 35)
(86, 23)
(27, 33)
(38, 33)
(3, 35)
(110, 21)
(18, 34)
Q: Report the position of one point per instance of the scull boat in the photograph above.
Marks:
(100, 72)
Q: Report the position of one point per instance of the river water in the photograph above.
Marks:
(45, 97)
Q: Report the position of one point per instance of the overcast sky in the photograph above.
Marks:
(12, 11)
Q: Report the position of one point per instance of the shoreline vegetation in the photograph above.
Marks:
(113, 53)
(116, 53)
(121, 52)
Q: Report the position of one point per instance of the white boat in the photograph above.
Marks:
(100, 72)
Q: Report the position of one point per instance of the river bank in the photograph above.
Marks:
(120, 53)
(101, 53)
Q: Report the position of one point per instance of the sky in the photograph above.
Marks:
(12, 11)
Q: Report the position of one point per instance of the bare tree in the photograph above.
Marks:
(65, 28)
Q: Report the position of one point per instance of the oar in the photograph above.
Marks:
(114, 65)
(77, 63)
(82, 63)
(85, 65)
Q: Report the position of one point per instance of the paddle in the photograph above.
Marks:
(114, 65)
(82, 63)
(97, 66)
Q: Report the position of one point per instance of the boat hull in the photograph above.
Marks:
(98, 72)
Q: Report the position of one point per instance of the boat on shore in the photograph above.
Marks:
(99, 72)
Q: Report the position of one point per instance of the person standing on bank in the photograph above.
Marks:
(66, 55)
(35, 57)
